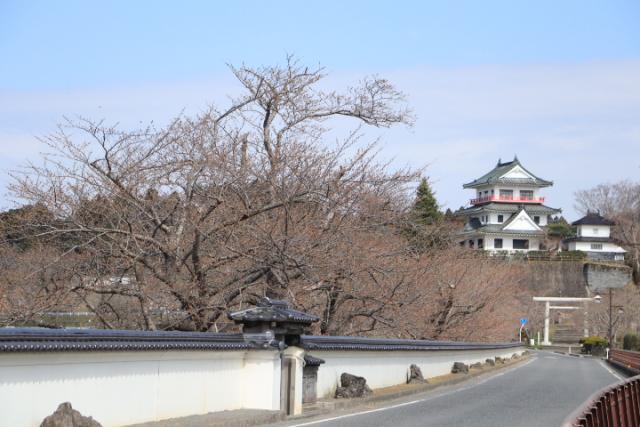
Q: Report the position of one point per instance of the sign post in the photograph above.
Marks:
(523, 322)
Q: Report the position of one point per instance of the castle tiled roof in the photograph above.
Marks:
(509, 208)
(494, 177)
(499, 229)
(589, 239)
(593, 218)
(474, 226)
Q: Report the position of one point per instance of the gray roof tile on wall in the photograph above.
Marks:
(43, 340)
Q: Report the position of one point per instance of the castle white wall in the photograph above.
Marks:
(388, 368)
(594, 230)
(586, 247)
(486, 191)
(493, 218)
(118, 388)
(507, 244)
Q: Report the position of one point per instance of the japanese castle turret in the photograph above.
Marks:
(593, 236)
(507, 213)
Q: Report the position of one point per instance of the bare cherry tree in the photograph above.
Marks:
(212, 211)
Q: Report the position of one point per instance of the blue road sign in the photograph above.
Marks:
(523, 321)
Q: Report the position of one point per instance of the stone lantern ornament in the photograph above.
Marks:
(273, 323)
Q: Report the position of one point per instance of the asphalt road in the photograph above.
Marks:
(539, 392)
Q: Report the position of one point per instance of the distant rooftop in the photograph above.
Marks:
(593, 218)
(495, 176)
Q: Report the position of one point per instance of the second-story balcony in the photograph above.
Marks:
(507, 199)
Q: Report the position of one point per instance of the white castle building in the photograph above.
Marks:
(593, 236)
(507, 212)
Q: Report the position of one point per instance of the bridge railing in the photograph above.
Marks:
(626, 359)
(614, 406)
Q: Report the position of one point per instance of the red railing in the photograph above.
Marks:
(614, 406)
(617, 405)
(512, 199)
(626, 359)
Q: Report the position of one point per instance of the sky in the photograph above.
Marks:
(555, 82)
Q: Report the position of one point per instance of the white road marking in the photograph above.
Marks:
(604, 365)
(413, 402)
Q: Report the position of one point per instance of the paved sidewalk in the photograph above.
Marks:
(237, 418)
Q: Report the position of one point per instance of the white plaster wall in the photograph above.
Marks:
(543, 219)
(488, 242)
(594, 230)
(119, 388)
(387, 368)
(507, 244)
(586, 246)
(493, 218)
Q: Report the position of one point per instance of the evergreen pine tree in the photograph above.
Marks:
(425, 208)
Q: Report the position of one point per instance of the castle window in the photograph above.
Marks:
(500, 218)
(596, 246)
(536, 219)
(506, 194)
(497, 243)
(526, 194)
(480, 243)
(520, 244)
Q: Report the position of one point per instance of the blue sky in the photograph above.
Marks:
(557, 82)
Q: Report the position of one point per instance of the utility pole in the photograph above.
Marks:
(610, 317)
(619, 312)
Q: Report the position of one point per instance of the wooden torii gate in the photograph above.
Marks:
(548, 307)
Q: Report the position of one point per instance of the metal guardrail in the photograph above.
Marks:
(614, 406)
(626, 359)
